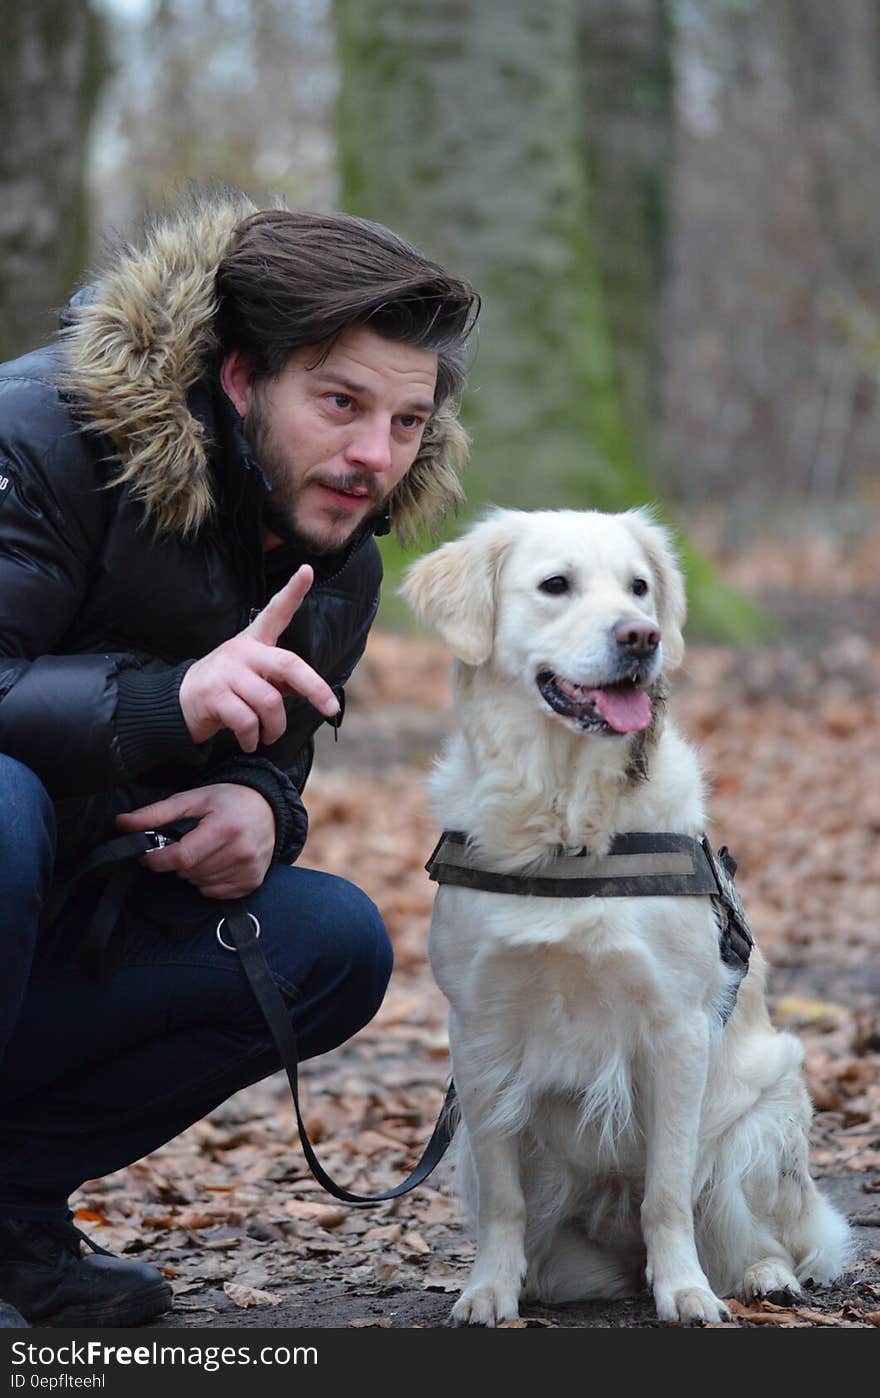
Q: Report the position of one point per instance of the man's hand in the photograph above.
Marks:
(230, 850)
(242, 684)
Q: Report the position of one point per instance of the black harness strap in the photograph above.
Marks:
(637, 865)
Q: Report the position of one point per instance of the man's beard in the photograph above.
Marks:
(281, 512)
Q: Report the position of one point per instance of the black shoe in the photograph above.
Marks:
(44, 1274)
(10, 1318)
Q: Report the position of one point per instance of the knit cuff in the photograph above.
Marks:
(149, 721)
(291, 817)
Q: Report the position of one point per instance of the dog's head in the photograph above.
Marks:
(585, 609)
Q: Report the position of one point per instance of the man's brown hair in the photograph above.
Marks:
(291, 280)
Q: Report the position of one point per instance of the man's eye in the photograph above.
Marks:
(409, 421)
(555, 585)
(340, 400)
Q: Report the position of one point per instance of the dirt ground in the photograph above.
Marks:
(788, 735)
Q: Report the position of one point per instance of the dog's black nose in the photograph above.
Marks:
(637, 635)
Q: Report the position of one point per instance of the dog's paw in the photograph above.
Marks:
(770, 1280)
(486, 1305)
(689, 1305)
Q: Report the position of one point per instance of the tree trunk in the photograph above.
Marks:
(51, 65)
(627, 108)
(460, 127)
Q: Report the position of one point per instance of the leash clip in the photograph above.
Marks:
(159, 840)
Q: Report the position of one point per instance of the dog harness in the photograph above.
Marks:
(638, 865)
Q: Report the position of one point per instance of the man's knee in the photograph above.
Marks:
(355, 949)
(366, 950)
(336, 944)
(27, 828)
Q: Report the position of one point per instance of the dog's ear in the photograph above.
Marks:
(452, 590)
(657, 542)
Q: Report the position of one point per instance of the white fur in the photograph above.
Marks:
(613, 1131)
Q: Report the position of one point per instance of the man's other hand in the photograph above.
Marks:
(229, 852)
(243, 683)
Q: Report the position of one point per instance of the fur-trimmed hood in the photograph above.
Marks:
(143, 337)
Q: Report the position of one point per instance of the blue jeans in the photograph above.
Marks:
(95, 1074)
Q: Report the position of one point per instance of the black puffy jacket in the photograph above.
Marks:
(131, 545)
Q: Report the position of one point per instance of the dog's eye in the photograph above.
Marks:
(639, 586)
(554, 585)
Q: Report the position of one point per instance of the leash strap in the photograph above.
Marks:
(115, 862)
(113, 866)
(243, 931)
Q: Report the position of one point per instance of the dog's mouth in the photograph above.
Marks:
(623, 707)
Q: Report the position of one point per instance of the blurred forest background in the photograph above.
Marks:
(670, 207)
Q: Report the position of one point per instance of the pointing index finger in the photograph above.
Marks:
(280, 610)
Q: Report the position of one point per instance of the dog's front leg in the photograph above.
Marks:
(493, 1289)
(677, 1078)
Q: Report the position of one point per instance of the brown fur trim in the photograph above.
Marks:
(432, 486)
(133, 352)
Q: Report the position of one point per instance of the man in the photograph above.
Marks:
(189, 488)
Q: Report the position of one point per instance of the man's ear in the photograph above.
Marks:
(656, 540)
(236, 382)
(453, 589)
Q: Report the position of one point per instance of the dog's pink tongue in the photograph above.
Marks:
(625, 709)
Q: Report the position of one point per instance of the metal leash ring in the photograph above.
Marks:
(226, 945)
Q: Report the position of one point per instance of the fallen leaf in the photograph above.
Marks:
(249, 1295)
(194, 1218)
(799, 1007)
(442, 1281)
(325, 1215)
(413, 1243)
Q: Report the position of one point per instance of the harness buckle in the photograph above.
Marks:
(736, 935)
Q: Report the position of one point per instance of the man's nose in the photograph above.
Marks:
(370, 445)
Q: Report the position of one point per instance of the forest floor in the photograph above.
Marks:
(788, 736)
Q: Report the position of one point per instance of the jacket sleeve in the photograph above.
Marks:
(58, 711)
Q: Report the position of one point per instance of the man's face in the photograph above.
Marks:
(335, 438)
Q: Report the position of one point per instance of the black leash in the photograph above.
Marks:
(116, 864)
(244, 931)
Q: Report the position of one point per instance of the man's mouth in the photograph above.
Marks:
(347, 495)
(623, 707)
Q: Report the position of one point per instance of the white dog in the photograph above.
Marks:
(619, 1123)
